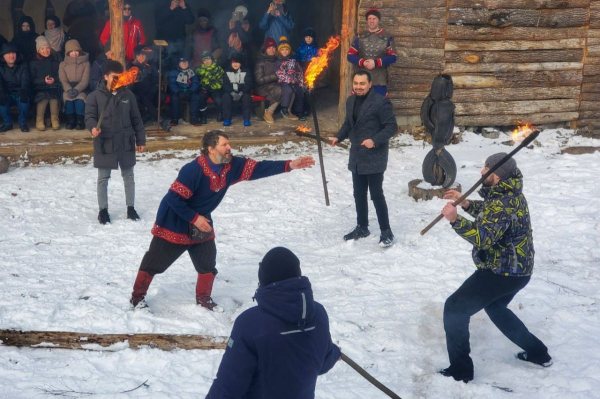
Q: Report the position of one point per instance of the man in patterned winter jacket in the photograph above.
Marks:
(503, 252)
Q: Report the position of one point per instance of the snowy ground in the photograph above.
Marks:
(61, 270)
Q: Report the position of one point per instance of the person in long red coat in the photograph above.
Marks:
(133, 32)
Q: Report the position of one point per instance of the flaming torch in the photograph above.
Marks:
(314, 69)
(124, 79)
(521, 132)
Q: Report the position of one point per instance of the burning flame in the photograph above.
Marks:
(125, 79)
(303, 129)
(318, 63)
(521, 132)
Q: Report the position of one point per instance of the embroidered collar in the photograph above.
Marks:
(217, 182)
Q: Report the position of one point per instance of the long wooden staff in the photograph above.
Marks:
(524, 143)
(369, 377)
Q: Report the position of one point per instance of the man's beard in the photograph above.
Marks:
(224, 158)
(489, 182)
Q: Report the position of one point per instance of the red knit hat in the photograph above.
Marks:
(373, 11)
(269, 42)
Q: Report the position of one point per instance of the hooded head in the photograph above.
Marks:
(8, 48)
(72, 45)
(54, 19)
(277, 265)
(29, 21)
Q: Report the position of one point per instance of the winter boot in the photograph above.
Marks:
(70, 122)
(174, 122)
(132, 214)
(140, 288)
(39, 123)
(358, 232)
(80, 124)
(220, 117)
(268, 117)
(247, 122)
(204, 286)
(227, 122)
(55, 122)
(544, 361)
(463, 376)
(195, 121)
(203, 118)
(386, 239)
(287, 115)
(166, 126)
(103, 216)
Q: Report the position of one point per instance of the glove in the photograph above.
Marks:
(73, 93)
(183, 95)
(236, 95)
(24, 96)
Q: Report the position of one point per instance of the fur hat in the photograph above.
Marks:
(72, 45)
(269, 42)
(283, 42)
(237, 57)
(373, 11)
(277, 265)
(309, 32)
(40, 42)
(506, 170)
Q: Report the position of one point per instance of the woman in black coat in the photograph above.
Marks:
(46, 86)
(24, 40)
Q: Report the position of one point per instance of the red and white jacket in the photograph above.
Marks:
(133, 35)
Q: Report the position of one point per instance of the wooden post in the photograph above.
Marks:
(117, 42)
(349, 24)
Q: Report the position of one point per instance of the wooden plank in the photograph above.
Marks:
(452, 68)
(591, 70)
(487, 33)
(407, 103)
(514, 94)
(589, 106)
(75, 340)
(349, 21)
(590, 114)
(591, 97)
(434, 13)
(393, 94)
(396, 77)
(514, 45)
(419, 42)
(593, 41)
(395, 71)
(516, 107)
(590, 88)
(382, 4)
(572, 17)
(529, 4)
(572, 55)
(593, 51)
(594, 17)
(593, 33)
(410, 62)
(592, 61)
(508, 120)
(416, 31)
(591, 79)
(519, 79)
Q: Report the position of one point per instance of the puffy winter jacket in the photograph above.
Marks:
(15, 79)
(278, 348)
(501, 234)
(133, 35)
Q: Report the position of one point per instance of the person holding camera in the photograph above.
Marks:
(183, 85)
(171, 18)
(277, 21)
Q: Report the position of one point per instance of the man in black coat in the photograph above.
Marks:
(171, 18)
(121, 133)
(15, 81)
(370, 123)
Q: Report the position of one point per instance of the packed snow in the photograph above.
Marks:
(63, 271)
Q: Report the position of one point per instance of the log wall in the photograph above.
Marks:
(511, 61)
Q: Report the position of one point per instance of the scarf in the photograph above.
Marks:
(185, 76)
(56, 37)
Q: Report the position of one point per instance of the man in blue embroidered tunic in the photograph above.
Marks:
(198, 190)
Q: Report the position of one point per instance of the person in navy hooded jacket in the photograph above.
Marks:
(277, 349)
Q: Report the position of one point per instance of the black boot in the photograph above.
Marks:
(80, 124)
(386, 239)
(358, 232)
(132, 214)
(70, 122)
(544, 361)
(464, 376)
(103, 216)
(203, 117)
(195, 121)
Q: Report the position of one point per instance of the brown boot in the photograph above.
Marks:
(140, 288)
(39, 123)
(268, 117)
(55, 122)
(204, 286)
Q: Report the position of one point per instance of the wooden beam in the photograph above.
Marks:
(519, 79)
(529, 4)
(349, 22)
(117, 41)
(508, 120)
(494, 108)
(514, 45)
(488, 33)
(74, 340)
(492, 57)
(516, 94)
(572, 17)
(452, 68)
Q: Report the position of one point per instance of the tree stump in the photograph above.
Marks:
(427, 193)
(3, 164)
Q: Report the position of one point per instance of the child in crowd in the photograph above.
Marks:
(97, 71)
(146, 87)
(46, 87)
(74, 75)
(210, 76)
(305, 53)
(183, 85)
(291, 80)
(236, 86)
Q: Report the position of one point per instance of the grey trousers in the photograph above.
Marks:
(102, 186)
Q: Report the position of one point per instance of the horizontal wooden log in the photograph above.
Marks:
(410, 62)
(419, 42)
(591, 79)
(487, 33)
(396, 71)
(413, 112)
(509, 120)
(399, 95)
(593, 41)
(558, 18)
(591, 70)
(517, 107)
(397, 77)
(515, 94)
(416, 87)
(591, 97)
(383, 4)
(452, 68)
(592, 61)
(519, 79)
(593, 33)
(420, 53)
(407, 103)
(589, 114)
(590, 88)
(573, 55)
(434, 13)
(529, 4)
(589, 106)
(453, 45)
(75, 340)
(594, 18)
(593, 51)
(416, 31)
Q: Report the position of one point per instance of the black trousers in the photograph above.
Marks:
(491, 292)
(162, 254)
(374, 184)
(287, 90)
(217, 97)
(246, 101)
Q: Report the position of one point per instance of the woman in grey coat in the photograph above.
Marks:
(121, 133)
